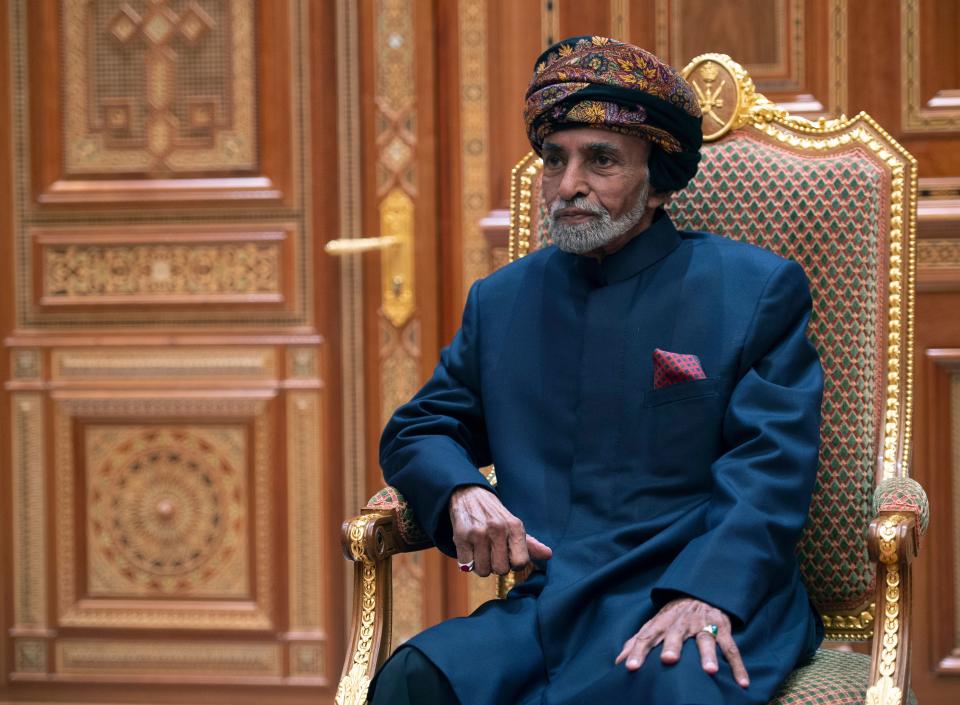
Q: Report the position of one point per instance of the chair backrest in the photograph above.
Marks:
(839, 197)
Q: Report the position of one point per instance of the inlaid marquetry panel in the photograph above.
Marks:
(158, 100)
(174, 659)
(29, 511)
(167, 511)
(152, 515)
(474, 136)
(305, 519)
(111, 267)
(177, 364)
(30, 656)
(157, 86)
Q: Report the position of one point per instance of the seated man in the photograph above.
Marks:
(652, 406)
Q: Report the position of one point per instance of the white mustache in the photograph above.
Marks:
(580, 203)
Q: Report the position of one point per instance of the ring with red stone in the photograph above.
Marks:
(465, 567)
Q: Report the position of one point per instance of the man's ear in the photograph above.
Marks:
(656, 199)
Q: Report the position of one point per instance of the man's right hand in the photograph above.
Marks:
(487, 534)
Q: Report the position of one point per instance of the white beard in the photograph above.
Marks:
(580, 238)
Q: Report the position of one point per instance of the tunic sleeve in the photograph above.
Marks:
(434, 443)
(763, 482)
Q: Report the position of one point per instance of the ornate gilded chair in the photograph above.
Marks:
(839, 197)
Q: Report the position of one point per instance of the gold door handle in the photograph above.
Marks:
(357, 245)
(397, 284)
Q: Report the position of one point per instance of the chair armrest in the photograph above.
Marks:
(385, 527)
(893, 541)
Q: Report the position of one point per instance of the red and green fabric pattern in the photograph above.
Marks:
(901, 494)
(824, 213)
(830, 678)
(389, 500)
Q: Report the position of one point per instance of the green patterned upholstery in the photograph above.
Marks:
(901, 494)
(825, 213)
(830, 678)
(389, 500)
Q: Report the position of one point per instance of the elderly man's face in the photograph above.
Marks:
(596, 185)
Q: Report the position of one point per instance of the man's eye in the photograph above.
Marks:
(603, 160)
(551, 162)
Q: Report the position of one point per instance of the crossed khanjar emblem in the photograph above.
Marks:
(709, 96)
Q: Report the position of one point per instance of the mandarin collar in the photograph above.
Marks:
(646, 248)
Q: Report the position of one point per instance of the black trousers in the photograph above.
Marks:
(409, 678)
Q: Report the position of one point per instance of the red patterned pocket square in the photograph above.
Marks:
(671, 368)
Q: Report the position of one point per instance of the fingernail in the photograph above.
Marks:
(633, 663)
(669, 654)
(744, 683)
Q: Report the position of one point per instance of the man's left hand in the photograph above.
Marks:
(677, 621)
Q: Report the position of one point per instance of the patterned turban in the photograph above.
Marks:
(600, 82)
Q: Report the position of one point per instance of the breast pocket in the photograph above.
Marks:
(682, 391)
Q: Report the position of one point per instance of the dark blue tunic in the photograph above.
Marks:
(700, 488)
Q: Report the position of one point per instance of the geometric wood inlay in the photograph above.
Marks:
(167, 511)
(165, 658)
(30, 656)
(226, 570)
(242, 263)
(118, 271)
(29, 512)
(938, 252)
(306, 660)
(206, 363)
(305, 502)
(158, 87)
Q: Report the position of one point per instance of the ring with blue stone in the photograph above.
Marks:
(711, 629)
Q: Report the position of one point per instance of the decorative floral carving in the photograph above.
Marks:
(199, 270)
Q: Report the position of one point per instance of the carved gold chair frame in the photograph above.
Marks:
(729, 103)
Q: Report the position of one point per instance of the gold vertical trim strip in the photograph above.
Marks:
(29, 511)
(549, 22)
(799, 71)
(305, 517)
(474, 137)
(661, 29)
(351, 276)
(620, 20)
(837, 66)
(395, 93)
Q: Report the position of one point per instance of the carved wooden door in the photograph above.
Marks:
(170, 482)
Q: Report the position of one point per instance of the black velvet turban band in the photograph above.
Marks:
(600, 82)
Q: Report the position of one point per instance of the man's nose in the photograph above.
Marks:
(573, 183)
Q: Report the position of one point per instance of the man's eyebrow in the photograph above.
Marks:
(553, 148)
(597, 147)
